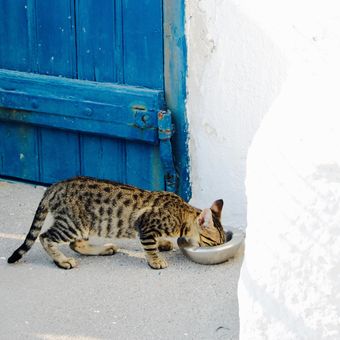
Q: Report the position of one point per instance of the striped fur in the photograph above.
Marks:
(83, 207)
(33, 233)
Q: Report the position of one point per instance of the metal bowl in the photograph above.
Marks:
(216, 254)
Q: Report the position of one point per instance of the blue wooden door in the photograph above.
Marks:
(81, 85)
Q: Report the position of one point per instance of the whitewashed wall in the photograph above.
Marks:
(234, 74)
(290, 278)
(271, 68)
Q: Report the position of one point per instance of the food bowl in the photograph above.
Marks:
(216, 254)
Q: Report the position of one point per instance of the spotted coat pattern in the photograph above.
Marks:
(83, 207)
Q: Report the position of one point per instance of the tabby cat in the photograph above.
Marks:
(82, 207)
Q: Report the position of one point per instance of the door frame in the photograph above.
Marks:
(175, 73)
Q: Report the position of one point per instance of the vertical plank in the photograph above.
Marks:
(19, 144)
(119, 42)
(55, 38)
(104, 158)
(175, 71)
(144, 169)
(55, 53)
(19, 151)
(100, 59)
(143, 66)
(14, 49)
(95, 40)
(59, 155)
(143, 43)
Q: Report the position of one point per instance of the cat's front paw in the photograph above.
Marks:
(157, 263)
(67, 263)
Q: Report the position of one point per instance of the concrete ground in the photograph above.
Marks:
(116, 297)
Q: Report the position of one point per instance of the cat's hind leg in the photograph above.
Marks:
(84, 248)
(54, 237)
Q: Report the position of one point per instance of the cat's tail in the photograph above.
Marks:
(33, 233)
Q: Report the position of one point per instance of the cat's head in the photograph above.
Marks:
(209, 225)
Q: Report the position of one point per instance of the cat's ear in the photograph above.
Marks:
(205, 218)
(217, 208)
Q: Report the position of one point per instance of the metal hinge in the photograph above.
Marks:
(165, 131)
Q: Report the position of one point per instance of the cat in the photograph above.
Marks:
(82, 207)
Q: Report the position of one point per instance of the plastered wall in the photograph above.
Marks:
(263, 106)
(234, 74)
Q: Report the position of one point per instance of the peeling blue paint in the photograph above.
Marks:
(175, 72)
(80, 95)
(165, 131)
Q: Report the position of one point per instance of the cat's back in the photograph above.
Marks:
(113, 209)
(99, 190)
(110, 192)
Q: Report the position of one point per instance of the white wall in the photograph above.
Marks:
(271, 68)
(290, 277)
(234, 74)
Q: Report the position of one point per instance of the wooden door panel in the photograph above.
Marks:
(88, 91)
(19, 151)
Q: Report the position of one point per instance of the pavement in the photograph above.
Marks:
(111, 297)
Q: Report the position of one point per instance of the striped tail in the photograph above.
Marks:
(32, 235)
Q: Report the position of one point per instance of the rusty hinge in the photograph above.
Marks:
(165, 131)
